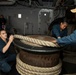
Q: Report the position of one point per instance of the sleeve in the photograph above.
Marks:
(1, 47)
(70, 39)
(65, 32)
(55, 31)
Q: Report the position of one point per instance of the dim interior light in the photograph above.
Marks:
(19, 15)
(45, 14)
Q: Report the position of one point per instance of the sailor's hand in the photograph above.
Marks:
(11, 38)
(55, 42)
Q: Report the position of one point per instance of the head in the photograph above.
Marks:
(3, 34)
(1, 16)
(63, 25)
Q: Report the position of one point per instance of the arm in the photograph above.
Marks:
(68, 39)
(5, 48)
(55, 31)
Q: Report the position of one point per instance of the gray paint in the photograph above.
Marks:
(29, 18)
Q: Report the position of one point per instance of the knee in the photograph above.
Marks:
(6, 68)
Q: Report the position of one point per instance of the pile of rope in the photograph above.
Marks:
(25, 69)
(36, 41)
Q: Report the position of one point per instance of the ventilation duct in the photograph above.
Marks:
(7, 2)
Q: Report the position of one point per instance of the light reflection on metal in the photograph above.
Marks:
(19, 15)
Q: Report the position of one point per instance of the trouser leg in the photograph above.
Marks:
(4, 66)
(10, 58)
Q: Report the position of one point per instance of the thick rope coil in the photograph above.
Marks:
(36, 41)
(25, 69)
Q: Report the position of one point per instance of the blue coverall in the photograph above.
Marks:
(70, 39)
(56, 32)
(5, 58)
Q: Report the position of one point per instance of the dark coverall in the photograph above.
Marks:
(5, 58)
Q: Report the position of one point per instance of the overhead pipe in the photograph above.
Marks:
(8, 2)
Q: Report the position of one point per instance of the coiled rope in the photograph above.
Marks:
(36, 41)
(25, 69)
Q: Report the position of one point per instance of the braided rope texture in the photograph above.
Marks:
(25, 69)
(36, 41)
(30, 43)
